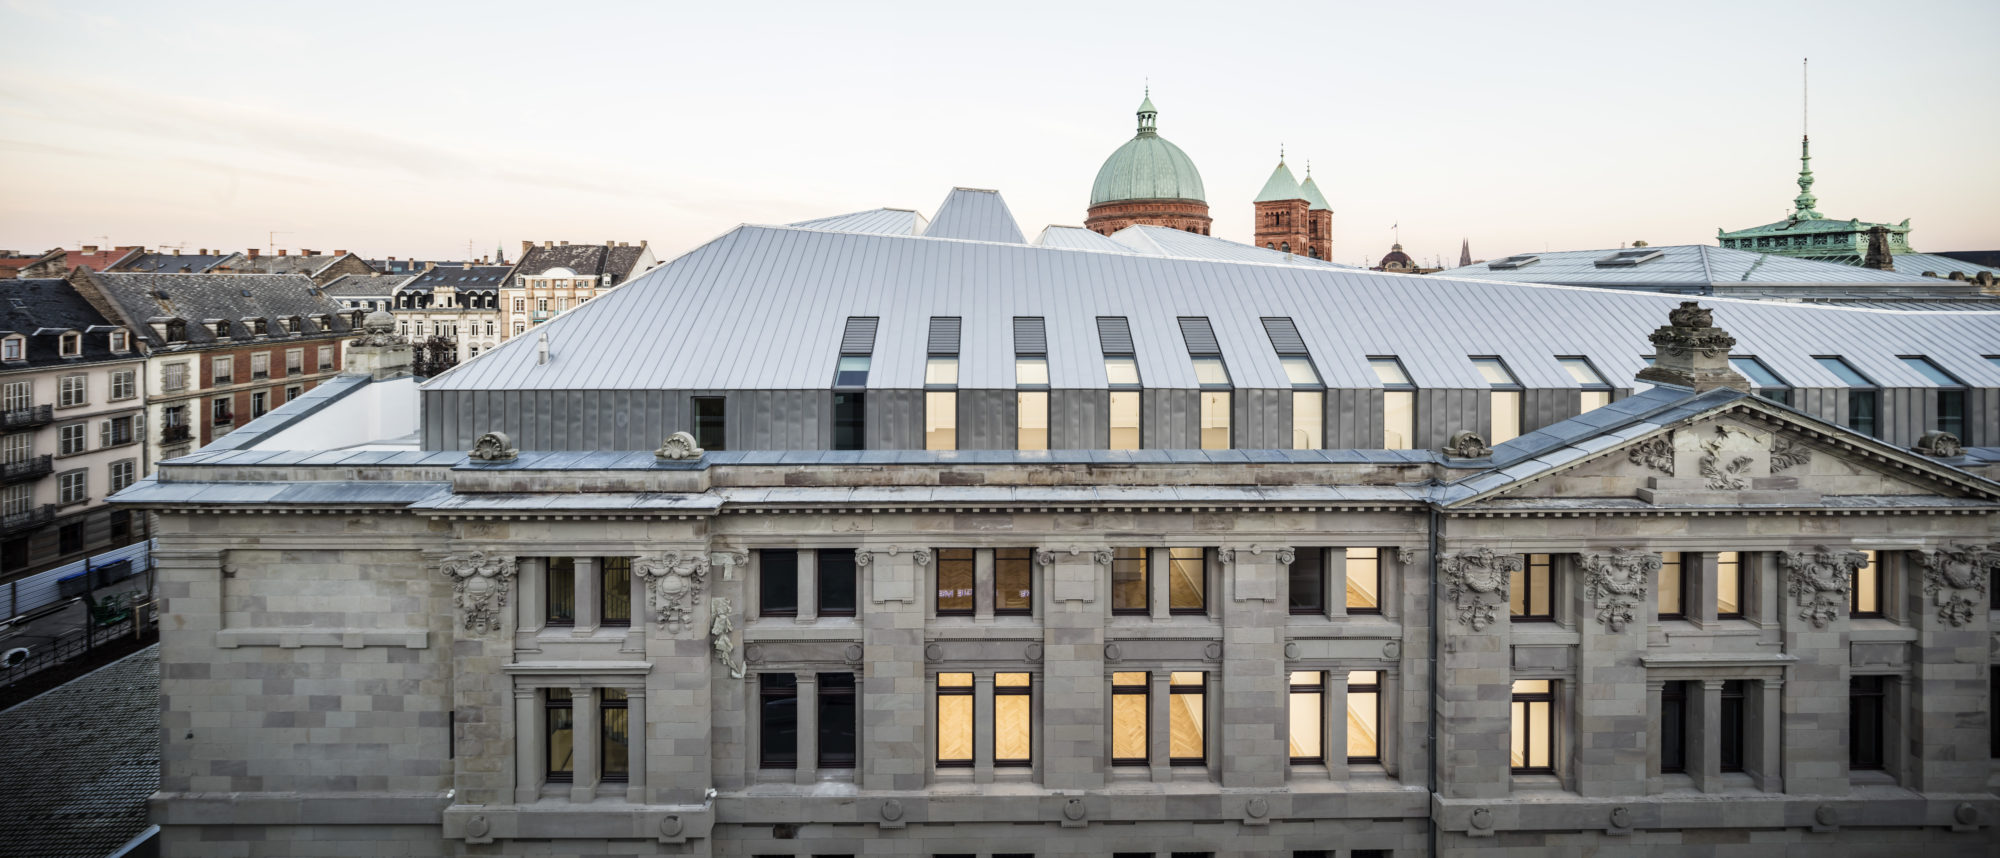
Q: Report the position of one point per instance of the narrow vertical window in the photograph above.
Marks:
(1673, 727)
(1865, 696)
(954, 719)
(1399, 403)
(1950, 413)
(1364, 716)
(1031, 412)
(1728, 585)
(1307, 581)
(850, 420)
(1534, 729)
(1213, 377)
(835, 582)
(1031, 380)
(1763, 382)
(1596, 392)
(1673, 585)
(1129, 593)
(1124, 419)
(954, 582)
(1013, 582)
(1307, 716)
(1187, 581)
(614, 591)
(1731, 725)
(1187, 729)
(778, 721)
(1860, 393)
(836, 721)
(1505, 399)
(1529, 599)
(709, 420)
(560, 712)
(1308, 403)
(850, 379)
(1128, 718)
(1364, 580)
(777, 583)
(941, 403)
(559, 591)
(1013, 720)
(1865, 600)
(614, 735)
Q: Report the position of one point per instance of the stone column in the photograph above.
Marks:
(982, 727)
(583, 737)
(588, 604)
(1611, 700)
(808, 584)
(1335, 731)
(982, 585)
(894, 712)
(635, 739)
(807, 772)
(1704, 745)
(1948, 703)
(732, 701)
(1701, 589)
(1159, 729)
(1655, 721)
(1074, 590)
(1475, 682)
(1818, 586)
(1159, 593)
(528, 601)
(1336, 582)
(1252, 722)
(527, 746)
(1764, 740)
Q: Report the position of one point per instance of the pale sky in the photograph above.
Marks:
(411, 129)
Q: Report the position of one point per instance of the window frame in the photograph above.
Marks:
(73, 390)
(1737, 564)
(1405, 388)
(551, 580)
(73, 439)
(1585, 388)
(1177, 688)
(1781, 392)
(842, 685)
(1674, 727)
(845, 557)
(1867, 700)
(776, 687)
(1348, 570)
(1868, 391)
(970, 560)
(850, 419)
(607, 704)
(1495, 390)
(1878, 592)
(765, 579)
(972, 719)
(1371, 688)
(1143, 690)
(1678, 564)
(1525, 586)
(1145, 563)
(1026, 689)
(1174, 554)
(606, 567)
(128, 380)
(710, 430)
(1317, 571)
(1318, 688)
(1733, 724)
(551, 704)
(1522, 703)
(1026, 558)
(73, 487)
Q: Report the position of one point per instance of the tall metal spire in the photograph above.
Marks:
(1805, 200)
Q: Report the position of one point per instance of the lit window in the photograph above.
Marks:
(1534, 728)
(1596, 393)
(1528, 597)
(1364, 580)
(1215, 419)
(1128, 718)
(561, 736)
(1124, 419)
(1307, 705)
(954, 719)
(1728, 585)
(1866, 600)
(941, 403)
(1672, 586)
(1308, 420)
(1129, 593)
(1364, 716)
(1031, 403)
(1505, 399)
(1013, 719)
(852, 371)
(1187, 731)
(1399, 404)
(1122, 371)
(941, 371)
(1763, 381)
(1187, 583)
(1013, 581)
(954, 582)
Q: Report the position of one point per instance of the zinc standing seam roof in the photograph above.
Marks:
(1687, 265)
(880, 221)
(976, 215)
(764, 307)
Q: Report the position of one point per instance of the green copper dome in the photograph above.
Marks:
(1147, 168)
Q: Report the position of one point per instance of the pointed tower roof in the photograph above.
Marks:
(1805, 200)
(1464, 252)
(1315, 200)
(1281, 186)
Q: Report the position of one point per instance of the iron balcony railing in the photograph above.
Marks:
(27, 418)
(30, 517)
(27, 469)
(176, 432)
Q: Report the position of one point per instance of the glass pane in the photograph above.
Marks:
(1013, 680)
(1531, 686)
(836, 720)
(1304, 677)
(1031, 408)
(615, 588)
(1125, 420)
(1756, 371)
(1867, 595)
(1399, 419)
(1307, 581)
(836, 582)
(850, 421)
(1364, 579)
(562, 740)
(1305, 723)
(1593, 400)
(777, 583)
(1299, 370)
(1121, 370)
(614, 750)
(1128, 726)
(1506, 416)
(1362, 679)
(1538, 585)
(779, 722)
(954, 680)
(1728, 583)
(1308, 420)
(1517, 592)
(1581, 370)
(940, 420)
(1930, 371)
(1861, 412)
(1186, 584)
(954, 581)
(1363, 713)
(1128, 579)
(1013, 582)
(1210, 371)
(561, 591)
(1186, 677)
(1214, 420)
(1518, 755)
(1844, 372)
(1031, 370)
(1185, 728)
(852, 371)
(1670, 582)
(954, 732)
(1493, 371)
(1538, 724)
(1013, 727)
(1129, 678)
(941, 370)
(1388, 371)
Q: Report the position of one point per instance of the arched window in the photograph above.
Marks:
(1287, 247)
(1315, 253)
(1270, 246)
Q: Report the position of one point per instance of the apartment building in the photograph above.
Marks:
(457, 301)
(555, 276)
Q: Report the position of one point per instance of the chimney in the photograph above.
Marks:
(340, 253)
(1879, 257)
(1693, 352)
(254, 252)
(88, 248)
(282, 251)
(527, 246)
(466, 267)
(546, 244)
(430, 265)
(565, 244)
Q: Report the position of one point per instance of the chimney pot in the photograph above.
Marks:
(565, 244)
(254, 252)
(89, 248)
(282, 251)
(340, 253)
(527, 246)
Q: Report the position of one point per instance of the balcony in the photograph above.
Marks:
(27, 469)
(31, 517)
(176, 432)
(226, 418)
(27, 418)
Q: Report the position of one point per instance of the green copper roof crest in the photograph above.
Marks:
(1805, 200)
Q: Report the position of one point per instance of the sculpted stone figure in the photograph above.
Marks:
(673, 587)
(493, 447)
(479, 586)
(1955, 578)
(722, 627)
(1617, 583)
(677, 447)
(1820, 580)
(1476, 582)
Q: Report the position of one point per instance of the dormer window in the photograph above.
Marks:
(222, 330)
(177, 331)
(121, 341)
(293, 324)
(259, 327)
(72, 344)
(14, 348)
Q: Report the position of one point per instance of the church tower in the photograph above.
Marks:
(1319, 219)
(1283, 213)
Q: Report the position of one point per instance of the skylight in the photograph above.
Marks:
(1931, 371)
(1512, 262)
(1757, 372)
(1389, 371)
(1494, 372)
(1628, 258)
(1581, 370)
(1844, 372)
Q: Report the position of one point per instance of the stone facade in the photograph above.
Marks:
(370, 675)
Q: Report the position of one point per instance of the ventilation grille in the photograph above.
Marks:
(1114, 335)
(944, 335)
(859, 338)
(1284, 336)
(1200, 336)
(1030, 336)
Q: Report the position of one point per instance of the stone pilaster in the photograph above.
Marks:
(894, 713)
(1253, 713)
(807, 772)
(1818, 585)
(480, 588)
(1612, 717)
(1475, 682)
(688, 670)
(1948, 703)
(1075, 594)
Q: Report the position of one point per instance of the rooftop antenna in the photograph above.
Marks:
(271, 239)
(1804, 202)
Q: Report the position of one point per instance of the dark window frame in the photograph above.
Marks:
(850, 420)
(970, 558)
(765, 580)
(837, 687)
(1740, 587)
(1000, 691)
(1679, 565)
(1319, 687)
(606, 704)
(1547, 731)
(1174, 690)
(844, 560)
(943, 691)
(551, 581)
(606, 566)
(1200, 610)
(710, 429)
(1346, 571)
(1316, 574)
(1374, 688)
(1026, 557)
(1867, 698)
(1673, 727)
(1735, 697)
(552, 704)
(776, 688)
(1145, 607)
(1528, 589)
(1880, 590)
(1143, 690)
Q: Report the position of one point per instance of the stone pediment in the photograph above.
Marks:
(1744, 453)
